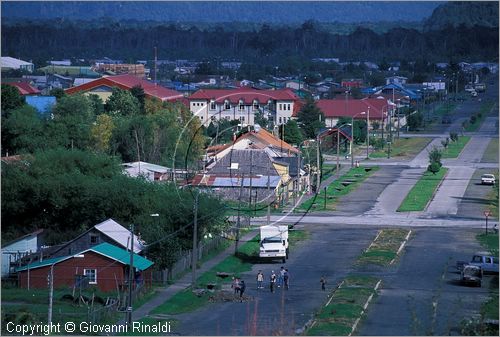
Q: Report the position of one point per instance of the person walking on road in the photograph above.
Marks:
(260, 279)
(236, 285)
(242, 289)
(286, 279)
(272, 280)
(323, 283)
(280, 276)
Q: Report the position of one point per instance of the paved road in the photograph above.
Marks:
(426, 275)
(282, 312)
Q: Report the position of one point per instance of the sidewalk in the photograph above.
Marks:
(163, 294)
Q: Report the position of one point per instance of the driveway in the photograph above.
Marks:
(426, 275)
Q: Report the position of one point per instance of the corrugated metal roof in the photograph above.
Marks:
(10, 62)
(258, 181)
(121, 255)
(118, 233)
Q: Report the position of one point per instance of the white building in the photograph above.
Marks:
(242, 104)
(12, 63)
(17, 249)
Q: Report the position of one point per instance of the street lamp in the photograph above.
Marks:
(368, 134)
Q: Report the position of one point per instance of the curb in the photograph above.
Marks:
(364, 308)
(401, 247)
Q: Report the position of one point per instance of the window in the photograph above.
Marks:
(280, 120)
(255, 105)
(226, 105)
(288, 108)
(201, 117)
(91, 274)
(242, 119)
(94, 239)
(212, 105)
(279, 106)
(242, 105)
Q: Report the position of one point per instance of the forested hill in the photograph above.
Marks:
(467, 13)
(267, 45)
(273, 12)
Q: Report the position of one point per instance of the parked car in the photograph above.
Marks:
(488, 263)
(471, 275)
(488, 179)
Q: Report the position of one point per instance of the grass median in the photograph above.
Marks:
(384, 248)
(455, 148)
(491, 153)
(344, 307)
(342, 186)
(403, 147)
(423, 191)
(477, 119)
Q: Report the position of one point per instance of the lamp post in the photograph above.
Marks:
(368, 134)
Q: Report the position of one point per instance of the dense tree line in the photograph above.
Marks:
(69, 177)
(268, 44)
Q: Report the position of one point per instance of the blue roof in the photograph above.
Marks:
(412, 94)
(43, 104)
(105, 249)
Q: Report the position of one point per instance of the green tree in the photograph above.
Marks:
(138, 92)
(22, 131)
(415, 120)
(122, 102)
(292, 134)
(11, 99)
(101, 133)
(73, 117)
(434, 160)
(311, 119)
(58, 93)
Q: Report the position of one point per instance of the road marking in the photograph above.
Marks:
(401, 246)
(364, 308)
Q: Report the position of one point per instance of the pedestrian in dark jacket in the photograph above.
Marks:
(323, 282)
(272, 280)
(242, 289)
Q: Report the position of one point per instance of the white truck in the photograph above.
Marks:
(274, 242)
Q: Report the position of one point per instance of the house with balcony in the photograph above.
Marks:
(242, 104)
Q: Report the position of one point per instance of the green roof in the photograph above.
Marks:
(121, 255)
(70, 70)
(105, 249)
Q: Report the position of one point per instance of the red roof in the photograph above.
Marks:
(248, 95)
(335, 108)
(127, 82)
(24, 88)
(260, 140)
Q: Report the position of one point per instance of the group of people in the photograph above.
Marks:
(276, 280)
(282, 279)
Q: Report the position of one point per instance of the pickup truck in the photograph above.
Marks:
(471, 275)
(488, 179)
(488, 263)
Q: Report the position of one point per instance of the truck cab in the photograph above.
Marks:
(489, 264)
(274, 242)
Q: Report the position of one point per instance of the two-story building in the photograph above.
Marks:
(242, 104)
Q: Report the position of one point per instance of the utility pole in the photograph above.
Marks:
(238, 221)
(268, 194)
(318, 169)
(130, 278)
(338, 151)
(195, 239)
(368, 134)
(51, 294)
(156, 60)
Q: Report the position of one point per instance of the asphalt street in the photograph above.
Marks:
(330, 252)
(423, 295)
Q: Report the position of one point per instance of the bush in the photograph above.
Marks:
(435, 156)
(434, 167)
(473, 119)
(453, 136)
